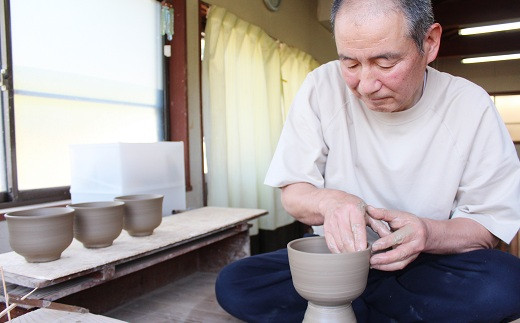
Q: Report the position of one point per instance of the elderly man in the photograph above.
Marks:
(380, 147)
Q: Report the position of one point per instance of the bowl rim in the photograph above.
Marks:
(49, 212)
(138, 197)
(319, 254)
(95, 205)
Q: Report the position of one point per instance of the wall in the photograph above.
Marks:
(295, 24)
(494, 77)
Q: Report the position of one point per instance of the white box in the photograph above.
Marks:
(100, 172)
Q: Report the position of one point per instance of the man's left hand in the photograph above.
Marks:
(406, 241)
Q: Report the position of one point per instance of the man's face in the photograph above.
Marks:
(379, 61)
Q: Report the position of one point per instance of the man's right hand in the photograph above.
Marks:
(342, 215)
(344, 221)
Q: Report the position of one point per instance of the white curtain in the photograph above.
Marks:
(243, 112)
(295, 65)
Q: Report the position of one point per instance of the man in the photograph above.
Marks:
(418, 157)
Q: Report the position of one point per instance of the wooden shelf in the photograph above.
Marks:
(80, 268)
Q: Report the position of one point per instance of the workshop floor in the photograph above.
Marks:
(190, 299)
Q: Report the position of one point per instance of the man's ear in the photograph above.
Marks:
(432, 42)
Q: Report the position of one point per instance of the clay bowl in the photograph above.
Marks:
(40, 235)
(329, 281)
(143, 213)
(98, 224)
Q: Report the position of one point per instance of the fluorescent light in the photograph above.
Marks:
(493, 58)
(489, 28)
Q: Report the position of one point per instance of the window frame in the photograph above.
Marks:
(177, 88)
(175, 124)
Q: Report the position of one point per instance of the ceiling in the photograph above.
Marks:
(453, 14)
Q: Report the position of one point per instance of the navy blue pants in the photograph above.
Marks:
(477, 286)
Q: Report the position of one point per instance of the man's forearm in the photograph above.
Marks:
(309, 204)
(456, 236)
(342, 215)
(301, 201)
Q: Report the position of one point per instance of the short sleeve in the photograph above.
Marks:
(489, 192)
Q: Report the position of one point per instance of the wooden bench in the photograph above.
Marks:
(206, 238)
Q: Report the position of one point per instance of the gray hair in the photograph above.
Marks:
(418, 14)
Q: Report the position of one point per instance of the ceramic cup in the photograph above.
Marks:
(143, 213)
(329, 281)
(40, 235)
(98, 224)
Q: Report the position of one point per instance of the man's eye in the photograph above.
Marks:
(386, 66)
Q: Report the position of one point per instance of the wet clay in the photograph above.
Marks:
(143, 213)
(98, 224)
(40, 235)
(329, 281)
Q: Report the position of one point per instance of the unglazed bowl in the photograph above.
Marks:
(329, 281)
(40, 235)
(98, 224)
(143, 213)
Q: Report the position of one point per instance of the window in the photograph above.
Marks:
(509, 108)
(82, 72)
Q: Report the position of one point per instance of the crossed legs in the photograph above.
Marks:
(477, 286)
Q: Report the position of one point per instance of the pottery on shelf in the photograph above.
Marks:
(143, 213)
(329, 281)
(98, 224)
(40, 235)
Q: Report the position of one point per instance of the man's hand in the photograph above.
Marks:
(342, 215)
(344, 222)
(406, 241)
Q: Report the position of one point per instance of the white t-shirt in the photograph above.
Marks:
(449, 155)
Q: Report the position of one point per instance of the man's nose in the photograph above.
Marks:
(368, 82)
